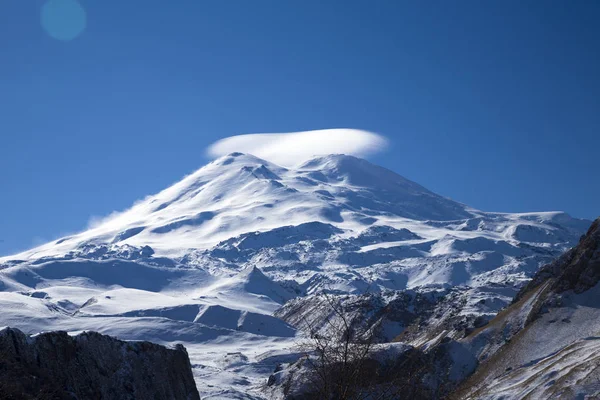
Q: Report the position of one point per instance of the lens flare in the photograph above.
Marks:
(63, 19)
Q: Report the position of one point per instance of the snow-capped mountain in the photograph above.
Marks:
(209, 261)
(242, 210)
(240, 193)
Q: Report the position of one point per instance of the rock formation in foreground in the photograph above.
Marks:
(57, 366)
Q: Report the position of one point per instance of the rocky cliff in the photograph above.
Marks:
(578, 269)
(91, 366)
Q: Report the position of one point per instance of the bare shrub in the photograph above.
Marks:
(345, 363)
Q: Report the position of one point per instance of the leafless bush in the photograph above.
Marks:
(342, 363)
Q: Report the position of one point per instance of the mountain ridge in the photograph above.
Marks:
(338, 189)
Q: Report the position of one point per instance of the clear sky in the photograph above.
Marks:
(493, 103)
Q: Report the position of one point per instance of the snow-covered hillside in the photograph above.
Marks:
(547, 344)
(208, 261)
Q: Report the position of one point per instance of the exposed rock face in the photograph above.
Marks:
(577, 270)
(391, 371)
(91, 366)
(414, 317)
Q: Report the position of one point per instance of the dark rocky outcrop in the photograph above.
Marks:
(56, 366)
(578, 269)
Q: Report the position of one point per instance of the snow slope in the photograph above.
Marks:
(208, 261)
(547, 344)
(240, 193)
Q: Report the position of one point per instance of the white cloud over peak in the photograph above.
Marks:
(289, 149)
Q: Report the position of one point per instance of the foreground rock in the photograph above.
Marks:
(91, 366)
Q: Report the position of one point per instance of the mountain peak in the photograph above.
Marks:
(239, 193)
(331, 159)
(237, 158)
(360, 172)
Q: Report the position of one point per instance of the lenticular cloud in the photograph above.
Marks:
(289, 149)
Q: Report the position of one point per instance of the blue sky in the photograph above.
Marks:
(495, 104)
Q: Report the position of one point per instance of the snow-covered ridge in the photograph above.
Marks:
(240, 193)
